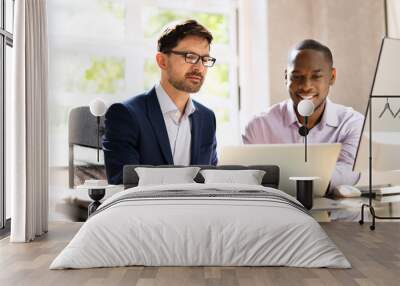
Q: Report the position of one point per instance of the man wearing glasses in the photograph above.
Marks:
(165, 125)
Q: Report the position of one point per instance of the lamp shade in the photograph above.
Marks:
(305, 107)
(98, 107)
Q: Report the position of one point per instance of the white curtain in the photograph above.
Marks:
(393, 18)
(253, 55)
(27, 151)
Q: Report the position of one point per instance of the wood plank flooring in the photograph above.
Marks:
(374, 255)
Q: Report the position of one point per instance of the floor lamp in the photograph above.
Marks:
(386, 85)
(98, 108)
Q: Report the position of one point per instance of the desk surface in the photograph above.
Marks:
(349, 209)
(345, 203)
(324, 209)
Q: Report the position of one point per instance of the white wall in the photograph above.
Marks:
(352, 29)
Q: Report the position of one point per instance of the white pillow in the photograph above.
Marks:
(248, 177)
(165, 176)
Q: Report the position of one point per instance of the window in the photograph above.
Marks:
(104, 48)
(6, 43)
(219, 91)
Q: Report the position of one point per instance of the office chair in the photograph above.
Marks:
(82, 131)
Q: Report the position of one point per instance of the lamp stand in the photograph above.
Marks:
(305, 138)
(370, 194)
(98, 137)
(303, 131)
(369, 111)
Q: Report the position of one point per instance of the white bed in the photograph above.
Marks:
(225, 225)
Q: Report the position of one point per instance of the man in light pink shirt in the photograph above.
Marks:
(309, 75)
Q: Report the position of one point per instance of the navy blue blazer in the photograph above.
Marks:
(135, 133)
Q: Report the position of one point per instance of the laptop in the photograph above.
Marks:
(321, 162)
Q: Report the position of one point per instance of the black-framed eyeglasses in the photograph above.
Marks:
(192, 58)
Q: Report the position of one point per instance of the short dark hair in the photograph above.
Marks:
(171, 36)
(310, 44)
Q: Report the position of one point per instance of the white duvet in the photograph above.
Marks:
(183, 231)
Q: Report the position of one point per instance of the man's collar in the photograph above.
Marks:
(167, 105)
(329, 117)
(290, 115)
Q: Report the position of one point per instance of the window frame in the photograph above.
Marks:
(6, 39)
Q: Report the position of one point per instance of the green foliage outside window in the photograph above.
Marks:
(216, 23)
(115, 8)
(151, 73)
(217, 81)
(104, 75)
(222, 115)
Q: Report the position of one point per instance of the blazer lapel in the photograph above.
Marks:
(157, 121)
(194, 142)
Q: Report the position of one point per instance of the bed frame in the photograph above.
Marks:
(131, 178)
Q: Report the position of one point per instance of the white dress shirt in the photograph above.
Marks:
(178, 126)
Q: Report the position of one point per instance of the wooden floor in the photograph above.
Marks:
(374, 255)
